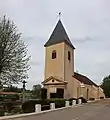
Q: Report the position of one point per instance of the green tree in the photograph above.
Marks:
(106, 86)
(13, 54)
(36, 91)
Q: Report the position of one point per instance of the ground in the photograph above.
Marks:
(91, 111)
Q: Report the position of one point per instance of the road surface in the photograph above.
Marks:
(91, 111)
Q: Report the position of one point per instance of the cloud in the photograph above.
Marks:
(34, 63)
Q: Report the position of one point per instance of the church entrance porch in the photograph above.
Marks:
(56, 88)
(54, 91)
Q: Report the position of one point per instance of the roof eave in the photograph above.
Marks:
(47, 45)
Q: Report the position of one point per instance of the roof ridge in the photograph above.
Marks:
(92, 82)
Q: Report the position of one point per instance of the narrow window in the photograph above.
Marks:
(53, 54)
(69, 55)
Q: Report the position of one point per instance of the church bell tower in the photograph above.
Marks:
(59, 61)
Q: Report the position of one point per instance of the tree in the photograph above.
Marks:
(106, 86)
(13, 54)
(36, 91)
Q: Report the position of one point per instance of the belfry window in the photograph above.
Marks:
(53, 54)
(69, 55)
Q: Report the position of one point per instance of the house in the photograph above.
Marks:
(60, 80)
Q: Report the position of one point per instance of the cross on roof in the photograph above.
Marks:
(60, 15)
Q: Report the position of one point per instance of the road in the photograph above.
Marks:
(91, 111)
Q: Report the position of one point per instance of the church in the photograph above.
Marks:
(60, 80)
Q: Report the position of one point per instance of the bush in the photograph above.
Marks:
(9, 106)
(2, 111)
(71, 100)
(101, 97)
(16, 110)
(91, 99)
(9, 97)
(29, 106)
(83, 100)
(58, 102)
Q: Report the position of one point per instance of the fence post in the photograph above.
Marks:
(52, 106)
(38, 108)
(74, 102)
(67, 103)
(79, 101)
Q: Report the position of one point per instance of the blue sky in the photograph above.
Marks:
(87, 23)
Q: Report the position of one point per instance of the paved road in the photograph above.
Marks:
(92, 111)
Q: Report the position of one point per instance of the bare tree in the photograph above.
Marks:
(13, 54)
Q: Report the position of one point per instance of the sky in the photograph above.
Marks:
(87, 23)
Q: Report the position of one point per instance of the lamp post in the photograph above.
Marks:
(24, 82)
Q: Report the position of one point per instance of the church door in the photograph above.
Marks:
(60, 93)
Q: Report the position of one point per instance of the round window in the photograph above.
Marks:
(53, 80)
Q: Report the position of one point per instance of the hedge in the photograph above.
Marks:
(10, 107)
(9, 97)
(83, 99)
(71, 100)
(29, 106)
(91, 99)
(58, 102)
(101, 97)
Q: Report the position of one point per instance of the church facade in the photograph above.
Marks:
(60, 80)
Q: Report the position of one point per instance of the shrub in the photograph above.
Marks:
(16, 110)
(45, 104)
(2, 111)
(91, 99)
(58, 102)
(29, 106)
(83, 100)
(71, 100)
(101, 97)
(9, 97)
(9, 106)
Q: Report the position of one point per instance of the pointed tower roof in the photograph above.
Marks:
(59, 35)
